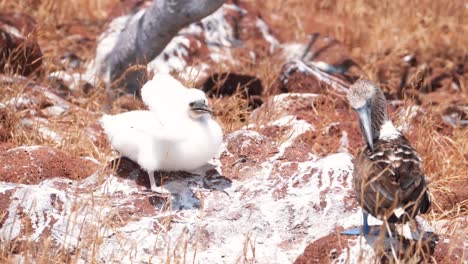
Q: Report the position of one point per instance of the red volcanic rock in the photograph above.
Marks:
(19, 51)
(33, 164)
(5, 146)
(342, 132)
(295, 79)
(324, 250)
(245, 147)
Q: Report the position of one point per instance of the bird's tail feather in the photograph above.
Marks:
(425, 203)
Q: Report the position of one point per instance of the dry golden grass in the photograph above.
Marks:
(377, 33)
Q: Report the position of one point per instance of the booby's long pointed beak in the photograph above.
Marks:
(200, 107)
(365, 119)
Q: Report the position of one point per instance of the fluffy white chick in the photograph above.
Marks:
(176, 134)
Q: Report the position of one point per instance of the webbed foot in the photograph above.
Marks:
(365, 231)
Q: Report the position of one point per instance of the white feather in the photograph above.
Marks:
(398, 212)
(388, 131)
(166, 138)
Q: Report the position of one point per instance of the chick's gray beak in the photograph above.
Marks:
(200, 106)
(365, 121)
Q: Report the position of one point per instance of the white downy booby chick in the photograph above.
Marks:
(176, 134)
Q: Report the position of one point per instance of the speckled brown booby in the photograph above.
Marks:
(388, 175)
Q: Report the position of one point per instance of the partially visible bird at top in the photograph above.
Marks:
(176, 134)
(388, 177)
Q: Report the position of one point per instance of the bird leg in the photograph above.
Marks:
(154, 188)
(365, 223)
(152, 181)
(365, 229)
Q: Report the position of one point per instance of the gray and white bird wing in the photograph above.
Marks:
(390, 181)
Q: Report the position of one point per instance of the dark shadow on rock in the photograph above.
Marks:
(20, 52)
(180, 184)
(228, 83)
(127, 169)
(215, 181)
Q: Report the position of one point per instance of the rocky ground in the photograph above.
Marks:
(280, 190)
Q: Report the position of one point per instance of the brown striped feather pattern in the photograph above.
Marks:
(391, 177)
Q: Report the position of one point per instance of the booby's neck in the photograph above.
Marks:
(382, 126)
(388, 131)
(374, 122)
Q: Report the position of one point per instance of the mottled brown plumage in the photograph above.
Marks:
(389, 179)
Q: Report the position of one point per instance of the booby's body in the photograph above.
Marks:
(388, 175)
(176, 134)
(139, 136)
(389, 181)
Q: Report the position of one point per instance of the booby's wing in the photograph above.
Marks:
(163, 93)
(390, 181)
(135, 124)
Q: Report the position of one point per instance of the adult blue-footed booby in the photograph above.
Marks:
(388, 175)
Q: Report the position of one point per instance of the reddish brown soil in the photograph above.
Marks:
(323, 250)
(257, 149)
(31, 165)
(451, 196)
(297, 82)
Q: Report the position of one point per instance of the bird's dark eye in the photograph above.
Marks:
(191, 104)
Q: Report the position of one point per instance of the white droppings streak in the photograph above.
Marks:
(35, 202)
(298, 127)
(12, 30)
(19, 102)
(274, 43)
(112, 185)
(173, 58)
(292, 51)
(282, 98)
(344, 146)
